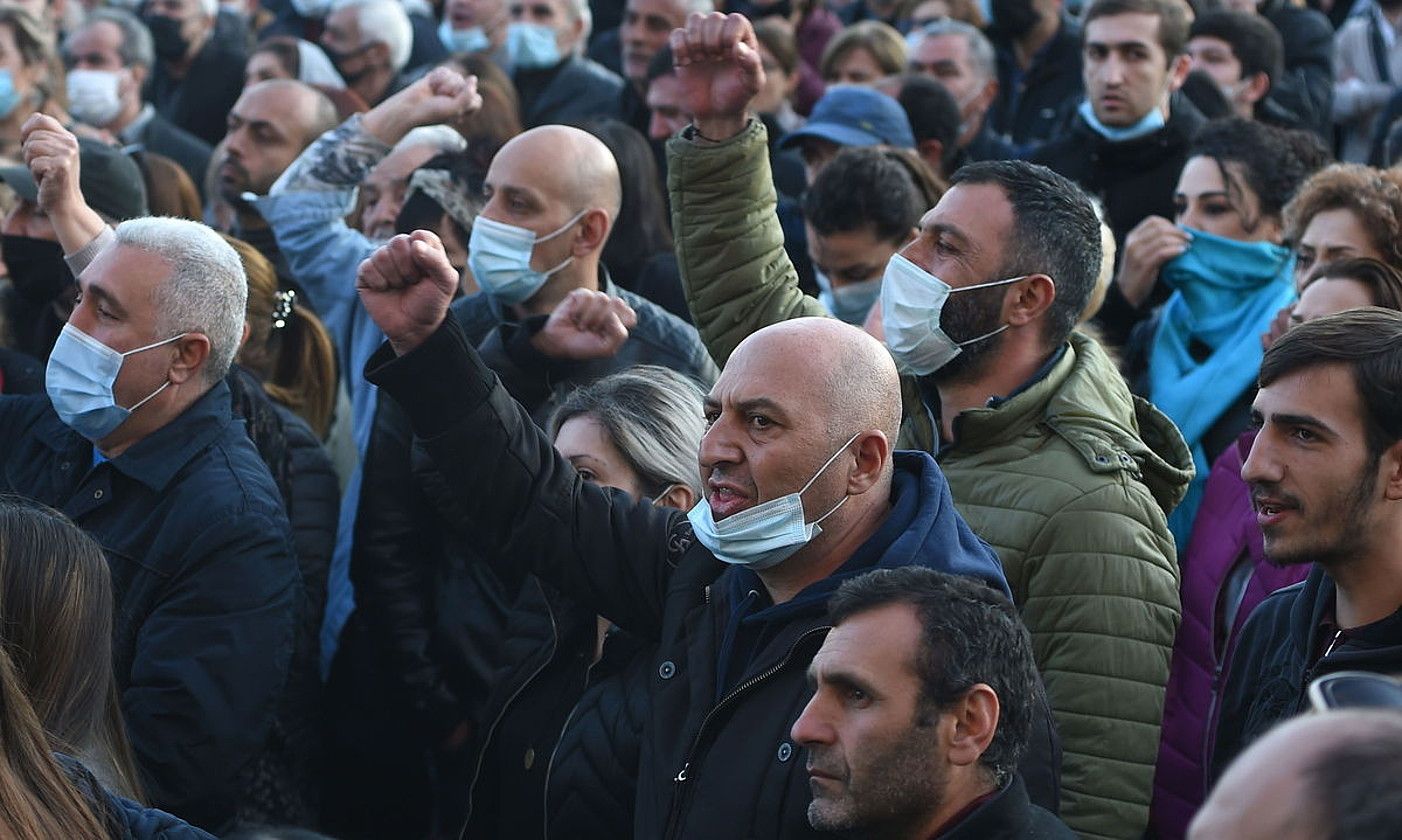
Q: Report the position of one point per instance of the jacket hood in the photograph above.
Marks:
(1085, 401)
(923, 529)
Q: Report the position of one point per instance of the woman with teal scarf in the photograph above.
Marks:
(1198, 357)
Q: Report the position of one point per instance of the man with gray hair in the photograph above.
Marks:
(961, 58)
(108, 59)
(197, 77)
(136, 442)
(556, 83)
(369, 41)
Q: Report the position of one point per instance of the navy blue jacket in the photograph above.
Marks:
(707, 767)
(205, 580)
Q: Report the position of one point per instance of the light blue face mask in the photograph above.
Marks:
(1151, 122)
(532, 46)
(79, 380)
(766, 534)
(500, 258)
(469, 40)
(9, 97)
(851, 302)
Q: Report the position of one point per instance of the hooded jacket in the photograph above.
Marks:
(716, 760)
(1272, 665)
(1070, 480)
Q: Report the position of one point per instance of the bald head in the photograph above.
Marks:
(569, 165)
(1321, 775)
(300, 106)
(847, 371)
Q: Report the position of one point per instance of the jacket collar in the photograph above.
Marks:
(155, 459)
(1184, 120)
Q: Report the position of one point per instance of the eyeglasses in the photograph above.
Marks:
(1355, 690)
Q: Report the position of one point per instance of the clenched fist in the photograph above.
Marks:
(443, 96)
(406, 287)
(718, 66)
(586, 325)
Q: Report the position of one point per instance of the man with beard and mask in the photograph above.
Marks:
(1367, 71)
(197, 77)
(109, 58)
(556, 83)
(369, 41)
(959, 57)
(1325, 473)
(1048, 455)
(269, 126)
(925, 690)
(42, 287)
(1039, 70)
(1129, 139)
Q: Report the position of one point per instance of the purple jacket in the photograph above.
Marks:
(1225, 529)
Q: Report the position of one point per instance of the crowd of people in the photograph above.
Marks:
(661, 419)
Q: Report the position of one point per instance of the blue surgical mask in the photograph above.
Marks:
(9, 97)
(766, 534)
(851, 302)
(79, 379)
(500, 258)
(531, 46)
(469, 40)
(912, 300)
(1151, 122)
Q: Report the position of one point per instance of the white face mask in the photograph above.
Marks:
(94, 96)
(766, 534)
(912, 300)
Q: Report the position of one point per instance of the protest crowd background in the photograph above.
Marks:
(661, 419)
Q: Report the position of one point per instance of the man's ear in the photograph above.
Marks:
(593, 231)
(873, 450)
(932, 152)
(678, 496)
(975, 722)
(1391, 465)
(191, 353)
(1029, 300)
(1257, 88)
(1178, 71)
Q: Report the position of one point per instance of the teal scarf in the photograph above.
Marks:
(1225, 295)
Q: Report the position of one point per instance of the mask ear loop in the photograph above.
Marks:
(164, 386)
(823, 469)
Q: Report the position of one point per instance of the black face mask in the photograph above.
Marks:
(339, 59)
(37, 269)
(1014, 18)
(166, 38)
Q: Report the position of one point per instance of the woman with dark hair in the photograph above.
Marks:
(285, 57)
(1196, 357)
(638, 253)
(57, 693)
(498, 120)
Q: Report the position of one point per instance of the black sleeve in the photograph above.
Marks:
(523, 501)
(396, 549)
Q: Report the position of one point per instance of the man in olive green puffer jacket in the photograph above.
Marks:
(1049, 456)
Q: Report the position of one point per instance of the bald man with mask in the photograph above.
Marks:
(802, 491)
(553, 195)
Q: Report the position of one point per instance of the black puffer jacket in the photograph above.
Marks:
(1307, 85)
(282, 783)
(716, 757)
(1032, 105)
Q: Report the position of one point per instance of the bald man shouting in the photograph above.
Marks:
(802, 491)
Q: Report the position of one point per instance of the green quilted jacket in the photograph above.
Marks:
(1070, 481)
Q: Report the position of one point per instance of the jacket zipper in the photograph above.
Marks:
(491, 732)
(681, 792)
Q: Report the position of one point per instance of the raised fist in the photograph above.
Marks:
(406, 287)
(718, 66)
(51, 153)
(442, 96)
(586, 325)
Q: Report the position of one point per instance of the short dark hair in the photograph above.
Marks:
(1254, 41)
(1369, 342)
(864, 188)
(970, 633)
(1173, 20)
(1351, 780)
(1274, 162)
(1055, 232)
(1383, 281)
(779, 39)
(933, 114)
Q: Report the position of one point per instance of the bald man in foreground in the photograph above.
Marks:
(434, 616)
(1329, 775)
(733, 595)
